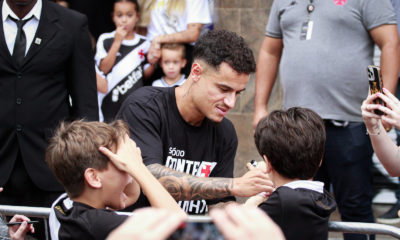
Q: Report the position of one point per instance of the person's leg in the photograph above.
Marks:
(348, 161)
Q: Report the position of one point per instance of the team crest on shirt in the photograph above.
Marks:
(340, 2)
(141, 54)
(205, 169)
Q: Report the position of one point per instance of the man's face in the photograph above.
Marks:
(216, 91)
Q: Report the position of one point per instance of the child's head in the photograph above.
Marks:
(74, 158)
(292, 141)
(172, 59)
(126, 14)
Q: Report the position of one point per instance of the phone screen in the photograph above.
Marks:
(375, 84)
(197, 231)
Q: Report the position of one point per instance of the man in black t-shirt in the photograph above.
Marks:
(185, 140)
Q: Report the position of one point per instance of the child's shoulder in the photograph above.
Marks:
(306, 193)
(141, 36)
(106, 35)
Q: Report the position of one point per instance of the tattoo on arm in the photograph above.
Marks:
(186, 187)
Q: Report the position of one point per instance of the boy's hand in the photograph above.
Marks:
(153, 56)
(251, 183)
(120, 34)
(256, 200)
(128, 157)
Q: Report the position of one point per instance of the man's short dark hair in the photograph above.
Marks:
(293, 141)
(219, 46)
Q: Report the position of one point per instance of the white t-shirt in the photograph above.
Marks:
(162, 83)
(197, 11)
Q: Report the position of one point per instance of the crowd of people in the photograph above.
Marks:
(139, 123)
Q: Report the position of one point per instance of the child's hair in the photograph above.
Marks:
(175, 46)
(293, 141)
(132, 1)
(75, 147)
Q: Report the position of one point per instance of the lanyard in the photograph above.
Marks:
(307, 25)
(310, 9)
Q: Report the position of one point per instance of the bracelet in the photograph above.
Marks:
(373, 134)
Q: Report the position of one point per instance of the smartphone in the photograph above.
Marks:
(197, 230)
(19, 223)
(375, 84)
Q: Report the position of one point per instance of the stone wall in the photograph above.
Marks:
(248, 18)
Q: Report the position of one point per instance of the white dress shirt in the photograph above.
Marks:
(10, 27)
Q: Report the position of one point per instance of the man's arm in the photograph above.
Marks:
(187, 187)
(81, 74)
(267, 68)
(191, 34)
(387, 38)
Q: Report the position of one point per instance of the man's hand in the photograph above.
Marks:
(18, 232)
(253, 182)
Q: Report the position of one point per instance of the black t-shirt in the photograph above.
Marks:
(74, 220)
(301, 213)
(165, 138)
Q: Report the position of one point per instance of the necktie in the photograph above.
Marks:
(20, 41)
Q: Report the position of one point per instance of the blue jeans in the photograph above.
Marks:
(347, 166)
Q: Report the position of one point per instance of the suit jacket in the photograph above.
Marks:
(35, 97)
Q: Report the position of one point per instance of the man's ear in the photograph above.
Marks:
(268, 166)
(196, 71)
(92, 178)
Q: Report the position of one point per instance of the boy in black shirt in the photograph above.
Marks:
(292, 144)
(94, 184)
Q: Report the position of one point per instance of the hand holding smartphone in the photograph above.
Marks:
(375, 84)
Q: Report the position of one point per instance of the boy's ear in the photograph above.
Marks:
(269, 167)
(92, 178)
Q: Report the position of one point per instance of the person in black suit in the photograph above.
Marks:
(46, 76)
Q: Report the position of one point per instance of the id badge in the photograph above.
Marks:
(306, 30)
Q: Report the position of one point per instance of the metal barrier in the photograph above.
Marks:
(344, 227)
(364, 228)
